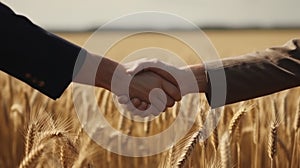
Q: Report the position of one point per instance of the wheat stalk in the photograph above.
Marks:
(167, 161)
(297, 119)
(215, 138)
(55, 126)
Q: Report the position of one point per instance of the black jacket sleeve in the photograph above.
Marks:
(256, 74)
(35, 56)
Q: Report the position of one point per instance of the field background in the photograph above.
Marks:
(227, 42)
(45, 133)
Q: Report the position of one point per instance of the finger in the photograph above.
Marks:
(123, 99)
(136, 102)
(164, 73)
(148, 105)
(158, 98)
(163, 69)
(170, 101)
(137, 66)
(154, 65)
(171, 90)
(143, 106)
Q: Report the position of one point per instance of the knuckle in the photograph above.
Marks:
(154, 60)
(171, 103)
(178, 98)
(176, 95)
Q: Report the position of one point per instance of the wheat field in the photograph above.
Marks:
(263, 132)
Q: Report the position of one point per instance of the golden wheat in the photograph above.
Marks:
(39, 132)
(272, 145)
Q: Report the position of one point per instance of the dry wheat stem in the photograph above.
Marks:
(67, 146)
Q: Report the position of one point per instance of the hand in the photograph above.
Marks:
(165, 73)
(149, 91)
(191, 79)
(108, 74)
(184, 77)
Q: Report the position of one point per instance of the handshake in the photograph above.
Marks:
(144, 87)
(149, 86)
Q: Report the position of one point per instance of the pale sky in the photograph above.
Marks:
(83, 14)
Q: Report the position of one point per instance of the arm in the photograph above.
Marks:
(256, 74)
(35, 56)
(247, 76)
(49, 63)
(140, 86)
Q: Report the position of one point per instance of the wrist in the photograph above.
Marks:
(101, 72)
(200, 75)
(113, 77)
(107, 70)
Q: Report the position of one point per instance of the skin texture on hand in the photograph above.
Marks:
(143, 84)
(182, 75)
(145, 88)
(150, 94)
(163, 70)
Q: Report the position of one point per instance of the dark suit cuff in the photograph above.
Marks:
(216, 85)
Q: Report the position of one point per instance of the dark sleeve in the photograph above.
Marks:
(35, 56)
(256, 74)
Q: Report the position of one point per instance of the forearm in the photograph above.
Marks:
(200, 76)
(35, 56)
(99, 71)
(258, 74)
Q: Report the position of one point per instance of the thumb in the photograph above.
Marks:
(136, 66)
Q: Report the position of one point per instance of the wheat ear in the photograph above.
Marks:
(297, 119)
(77, 137)
(234, 122)
(294, 158)
(30, 136)
(225, 151)
(189, 148)
(185, 146)
(215, 138)
(50, 134)
(31, 159)
(272, 142)
(62, 156)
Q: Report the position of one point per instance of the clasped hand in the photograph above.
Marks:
(154, 87)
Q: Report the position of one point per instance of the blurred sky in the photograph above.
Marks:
(77, 15)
